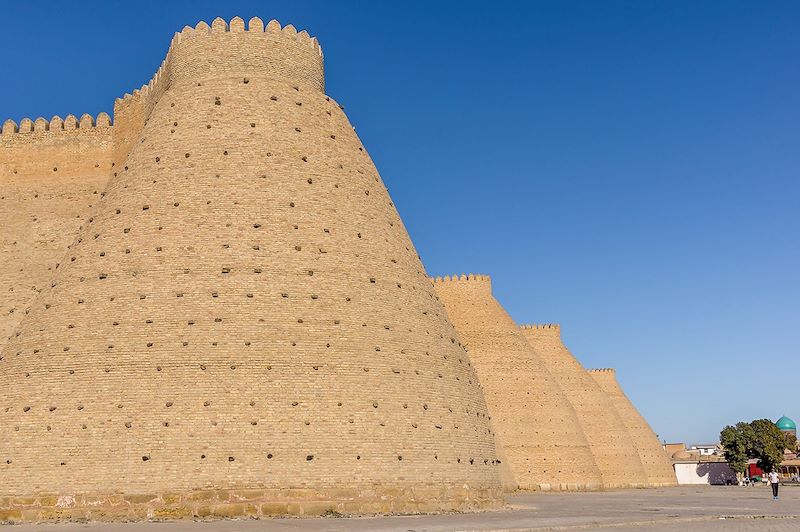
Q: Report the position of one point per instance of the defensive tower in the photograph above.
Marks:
(535, 424)
(242, 326)
(657, 465)
(609, 440)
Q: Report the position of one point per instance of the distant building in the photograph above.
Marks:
(787, 425)
(706, 464)
(694, 469)
(705, 449)
(700, 464)
(672, 448)
(701, 449)
(790, 467)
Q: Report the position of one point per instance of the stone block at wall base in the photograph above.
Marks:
(247, 503)
(588, 486)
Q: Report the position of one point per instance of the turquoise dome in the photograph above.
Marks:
(785, 423)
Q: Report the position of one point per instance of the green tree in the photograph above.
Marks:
(768, 443)
(760, 439)
(735, 440)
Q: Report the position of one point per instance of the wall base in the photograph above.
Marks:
(243, 503)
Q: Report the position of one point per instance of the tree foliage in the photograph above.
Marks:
(768, 444)
(735, 441)
(760, 439)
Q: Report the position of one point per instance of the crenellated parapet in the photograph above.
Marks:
(542, 328)
(232, 47)
(56, 124)
(61, 148)
(549, 333)
(470, 281)
(464, 277)
(232, 50)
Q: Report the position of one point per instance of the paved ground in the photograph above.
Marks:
(683, 509)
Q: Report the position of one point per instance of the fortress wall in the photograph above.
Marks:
(611, 443)
(536, 425)
(221, 50)
(482, 284)
(51, 173)
(244, 318)
(657, 464)
(56, 149)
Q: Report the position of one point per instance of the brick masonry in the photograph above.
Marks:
(52, 174)
(657, 465)
(535, 423)
(611, 443)
(212, 309)
(242, 309)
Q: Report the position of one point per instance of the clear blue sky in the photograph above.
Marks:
(628, 169)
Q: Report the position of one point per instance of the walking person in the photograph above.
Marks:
(774, 481)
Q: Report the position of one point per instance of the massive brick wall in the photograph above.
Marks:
(609, 440)
(535, 423)
(51, 173)
(242, 319)
(657, 465)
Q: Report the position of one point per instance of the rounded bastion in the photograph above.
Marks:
(241, 325)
